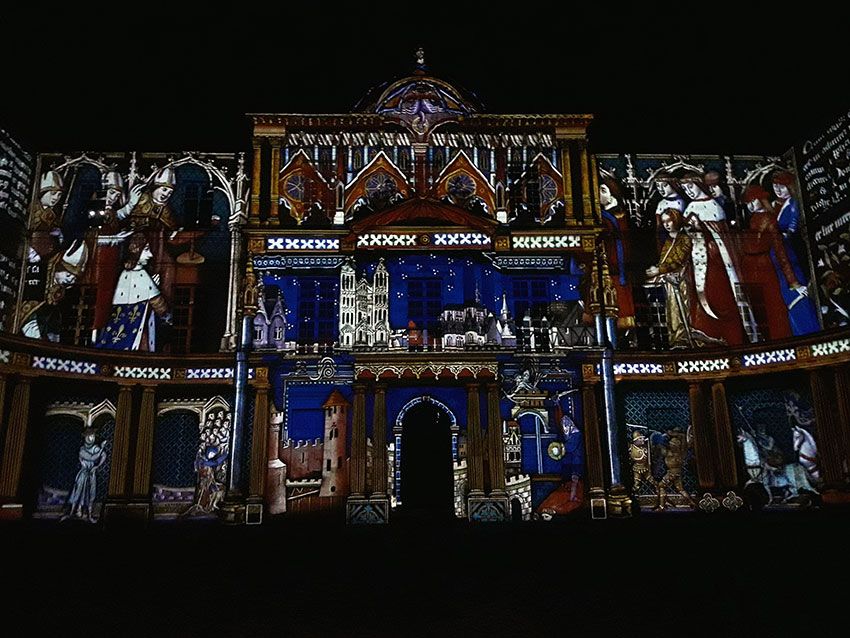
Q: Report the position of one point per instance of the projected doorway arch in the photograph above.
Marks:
(418, 407)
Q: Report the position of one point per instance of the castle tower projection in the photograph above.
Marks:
(334, 463)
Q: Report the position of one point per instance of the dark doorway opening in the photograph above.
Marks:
(427, 484)
(516, 510)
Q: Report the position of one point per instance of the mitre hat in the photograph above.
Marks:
(165, 177)
(51, 181)
(74, 259)
(113, 179)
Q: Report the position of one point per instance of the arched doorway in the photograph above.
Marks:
(427, 482)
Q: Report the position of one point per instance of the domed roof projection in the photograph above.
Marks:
(420, 101)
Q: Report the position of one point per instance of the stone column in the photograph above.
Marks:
(358, 443)
(702, 436)
(474, 442)
(586, 210)
(379, 442)
(275, 179)
(595, 466)
(569, 205)
(259, 453)
(228, 339)
(144, 450)
(496, 444)
(256, 171)
(232, 510)
(830, 439)
(2, 403)
(594, 181)
(727, 467)
(119, 468)
(842, 394)
(13, 450)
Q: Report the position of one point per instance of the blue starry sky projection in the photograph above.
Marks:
(438, 280)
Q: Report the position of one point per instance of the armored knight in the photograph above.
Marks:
(673, 455)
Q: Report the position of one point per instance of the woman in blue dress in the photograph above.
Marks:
(801, 310)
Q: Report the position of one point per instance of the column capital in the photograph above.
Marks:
(260, 384)
(380, 387)
(473, 387)
(359, 387)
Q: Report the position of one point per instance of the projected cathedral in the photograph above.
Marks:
(420, 306)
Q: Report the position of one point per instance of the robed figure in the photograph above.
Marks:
(719, 300)
(763, 252)
(137, 303)
(84, 493)
(801, 311)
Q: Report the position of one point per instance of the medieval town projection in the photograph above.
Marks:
(420, 306)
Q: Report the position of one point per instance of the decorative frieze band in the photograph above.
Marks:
(432, 369)
(300, 261)
(695, 366)
(546, 242)
(538, 263)
(302, 243)
(831, 347)
(771, 356)
(135, 372)
(381, 240)
(623, 369)
(461, 239)
(209, 373)
(65, 365)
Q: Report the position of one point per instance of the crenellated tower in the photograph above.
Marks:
(334, 462)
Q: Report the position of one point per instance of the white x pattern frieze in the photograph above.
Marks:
(64, 365)
(209, 373)
(302, 243)
(771, 356)
(831, 347)
(547, 241)
(461, 239)
(702, 365)
(621, 369)
(131, 372)
(386, 239)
